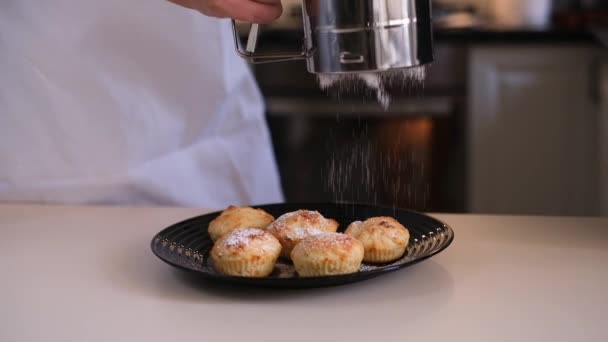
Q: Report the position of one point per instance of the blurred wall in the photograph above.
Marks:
(486, 6)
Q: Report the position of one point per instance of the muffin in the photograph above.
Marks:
(238, 217)
(246, 252)
(293, 227)
(383, 238)
(327, 254)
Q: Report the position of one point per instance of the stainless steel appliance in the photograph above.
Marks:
(355, 36)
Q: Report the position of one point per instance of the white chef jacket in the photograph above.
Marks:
(136, 102)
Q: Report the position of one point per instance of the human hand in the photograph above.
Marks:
(252, 11)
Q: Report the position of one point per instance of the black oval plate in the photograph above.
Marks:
(186, 244)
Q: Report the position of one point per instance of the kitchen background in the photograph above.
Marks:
(512, 118)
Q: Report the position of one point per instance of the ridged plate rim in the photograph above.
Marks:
(181, 257)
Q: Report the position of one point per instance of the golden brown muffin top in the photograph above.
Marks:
(238, 217)
(292, 227)
(246, 239)
(383, 226)
(329, 242)
(298, 223)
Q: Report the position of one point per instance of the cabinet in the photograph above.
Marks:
(603, 138)
(534, 131)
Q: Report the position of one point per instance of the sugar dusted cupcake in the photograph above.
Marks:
(383, 238)
(238, 217)
(246, 252)
(327, 254)
(291, 228)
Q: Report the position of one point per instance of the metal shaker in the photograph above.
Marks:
(357, 36)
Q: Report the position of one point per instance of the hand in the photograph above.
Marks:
(252, 11)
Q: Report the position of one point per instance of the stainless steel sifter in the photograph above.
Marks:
(355, 36)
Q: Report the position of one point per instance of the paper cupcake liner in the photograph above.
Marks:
(383, 256)
(326, 268)
(245, 268)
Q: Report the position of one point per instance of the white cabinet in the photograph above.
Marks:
(534, 136)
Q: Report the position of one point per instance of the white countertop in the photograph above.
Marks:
(87, 274)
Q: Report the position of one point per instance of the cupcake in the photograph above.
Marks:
(246, 252)
(238, 217)
(327, 254)
(383, 238)
(293, 227)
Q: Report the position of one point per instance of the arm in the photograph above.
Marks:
(253, 11)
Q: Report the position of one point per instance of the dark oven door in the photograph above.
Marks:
(408, 156)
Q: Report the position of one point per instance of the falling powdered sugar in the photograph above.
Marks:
(348, 82)
(376, 81)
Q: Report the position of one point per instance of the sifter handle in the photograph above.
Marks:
(258, 58)
(252, 40)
